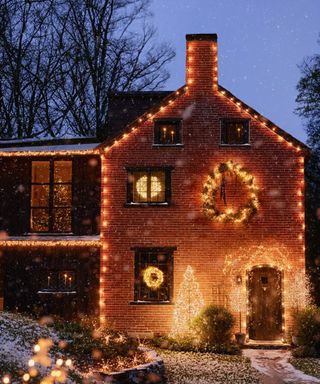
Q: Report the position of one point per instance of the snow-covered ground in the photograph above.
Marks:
(18, 335)
(207, 368)
(275, 367)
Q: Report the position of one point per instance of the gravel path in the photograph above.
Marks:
(207, 368)
(275, 368)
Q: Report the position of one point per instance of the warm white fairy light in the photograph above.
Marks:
(188, 304)
(153, 277)
(298, 291)
(237, 297)
(238, 103)
(244, 259)
(49, 243)
(31, 363)
(15, 153)
(59, 362)
(212, 185)
(68, 363)
(241, 262)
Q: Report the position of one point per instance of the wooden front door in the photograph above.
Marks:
(265, 312)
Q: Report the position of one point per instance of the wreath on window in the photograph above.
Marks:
(153, 277)
(215, 186)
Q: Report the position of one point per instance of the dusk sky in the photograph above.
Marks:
(260, 42)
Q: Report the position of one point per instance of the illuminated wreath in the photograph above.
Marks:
(153, 277)
(213, 184)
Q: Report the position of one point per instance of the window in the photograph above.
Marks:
(149, 186)
(167, 132)
(51, 196)
(58, 281)
(234, 132)
(153, 274)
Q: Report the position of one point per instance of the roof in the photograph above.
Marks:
(263, 120)
(25, 147)
(127, 110)
(125, 107)
(123, 130)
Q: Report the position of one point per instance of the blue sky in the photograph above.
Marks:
(261, 42)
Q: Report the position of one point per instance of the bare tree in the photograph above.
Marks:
(59, 59)
(110, 47)
(28, 62)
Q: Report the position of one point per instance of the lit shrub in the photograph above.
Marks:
(213, 325)
(307, 327)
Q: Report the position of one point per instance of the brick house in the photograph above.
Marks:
(191, 178)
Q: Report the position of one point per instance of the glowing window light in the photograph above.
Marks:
(149, 187)
(156, 187)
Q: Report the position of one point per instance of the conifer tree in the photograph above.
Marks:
(188, 304)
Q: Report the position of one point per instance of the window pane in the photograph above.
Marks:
(168, 132)
(157, 187)
(40, 171)
(159, 262)
(62, 195)
(235, 132)
(40, 195)
(58, 281)
(61, 220)
(66, 280)
(39, 220)
(140, 187)
(62, 171)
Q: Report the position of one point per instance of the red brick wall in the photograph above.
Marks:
(200, 242)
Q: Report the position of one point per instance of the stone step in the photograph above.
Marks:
(262, 344)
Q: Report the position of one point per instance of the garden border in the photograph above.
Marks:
(152, 372)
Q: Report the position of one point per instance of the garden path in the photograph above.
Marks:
(275, 368)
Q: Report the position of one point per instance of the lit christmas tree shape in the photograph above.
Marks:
(188, 304)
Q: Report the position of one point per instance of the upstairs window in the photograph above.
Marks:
(51, 196)
(153, 275)
(167, 132)
(148, 186)
(234, 132)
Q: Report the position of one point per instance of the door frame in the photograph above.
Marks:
(283, 324)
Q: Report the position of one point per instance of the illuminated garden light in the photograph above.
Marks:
(31, 363)
(26, 377)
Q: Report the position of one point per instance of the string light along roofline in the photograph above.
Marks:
(60, 153)
(291, 141)
(49, 243)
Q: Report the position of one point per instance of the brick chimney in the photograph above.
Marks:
(202, 63)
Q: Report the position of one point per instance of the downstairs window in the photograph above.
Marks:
(153, 275)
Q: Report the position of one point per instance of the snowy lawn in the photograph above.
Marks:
(72, 348)
(207, 368)
(18, 335)
(310, 366)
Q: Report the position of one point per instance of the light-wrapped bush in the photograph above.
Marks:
(213, 325)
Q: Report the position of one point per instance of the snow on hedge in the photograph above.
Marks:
(18, 335)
